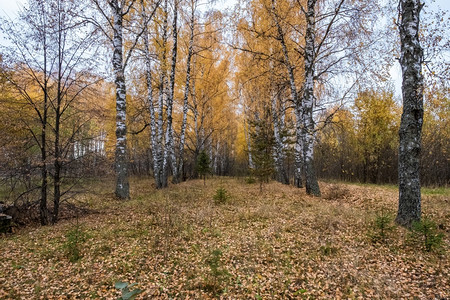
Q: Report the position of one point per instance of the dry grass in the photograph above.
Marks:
(278, 244)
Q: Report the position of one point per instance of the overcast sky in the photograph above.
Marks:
(10, 6)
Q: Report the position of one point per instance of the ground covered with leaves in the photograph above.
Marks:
(228, 240)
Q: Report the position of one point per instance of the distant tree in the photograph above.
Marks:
(376, 124)
(411, 59)
(203, 165)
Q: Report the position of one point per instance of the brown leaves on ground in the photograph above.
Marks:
(176, 243)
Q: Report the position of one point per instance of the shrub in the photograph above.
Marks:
(221, 196)
(250, 180)
(425, 232)
(75, 238)
(218, 275)
(382, 226)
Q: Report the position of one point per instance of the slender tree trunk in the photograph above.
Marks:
(121, 161)
(298, 104)
(169, 147)
(251, 164)
(162, 175)
(312, 186)
(409, 205)
(279, 156)
(298, 155)
(154, 137)
(216, 158)
(57, 162)
(43, 210)
(186, 97)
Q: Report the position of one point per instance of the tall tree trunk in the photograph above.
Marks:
(186, 97)
(169, 147)
(43, 210)
(297, 101)
(409, 205)
(162, 174)
(312, 186)
(121, 161)
(57, 161)
(155, 139)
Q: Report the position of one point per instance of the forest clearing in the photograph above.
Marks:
(278, 244)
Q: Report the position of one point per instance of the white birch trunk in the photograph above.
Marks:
(251, 164)
(121, 161)
(279, 156)
(411, 59)
(162, 175)
(156, 146)
(298, 155)
(216, 159)
(169, 149)
(186, 97)
(312, 186)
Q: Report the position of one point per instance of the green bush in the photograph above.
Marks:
(75, 239)
(218, 275)
(425, 232)
(250, 180)
(221, 196)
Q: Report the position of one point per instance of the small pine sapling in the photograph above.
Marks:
(203, 165)
(221, 196)
(425, 232)
(382, 226)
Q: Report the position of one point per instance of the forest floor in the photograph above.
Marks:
(278, 244)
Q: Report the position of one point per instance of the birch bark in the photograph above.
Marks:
(411, 59)
(169, 151)
(121, 161)
(312, 186)
(186, 96)
(298, 154)
(156, 145)
(161, 175)
(279, 156)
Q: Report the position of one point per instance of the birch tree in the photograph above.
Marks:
(311, 184)
(169, 159)
(411, 59)
(156, 116)
(114, 20)
(298, 148)
(180, 163)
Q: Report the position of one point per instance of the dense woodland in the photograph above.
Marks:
(160, 93)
